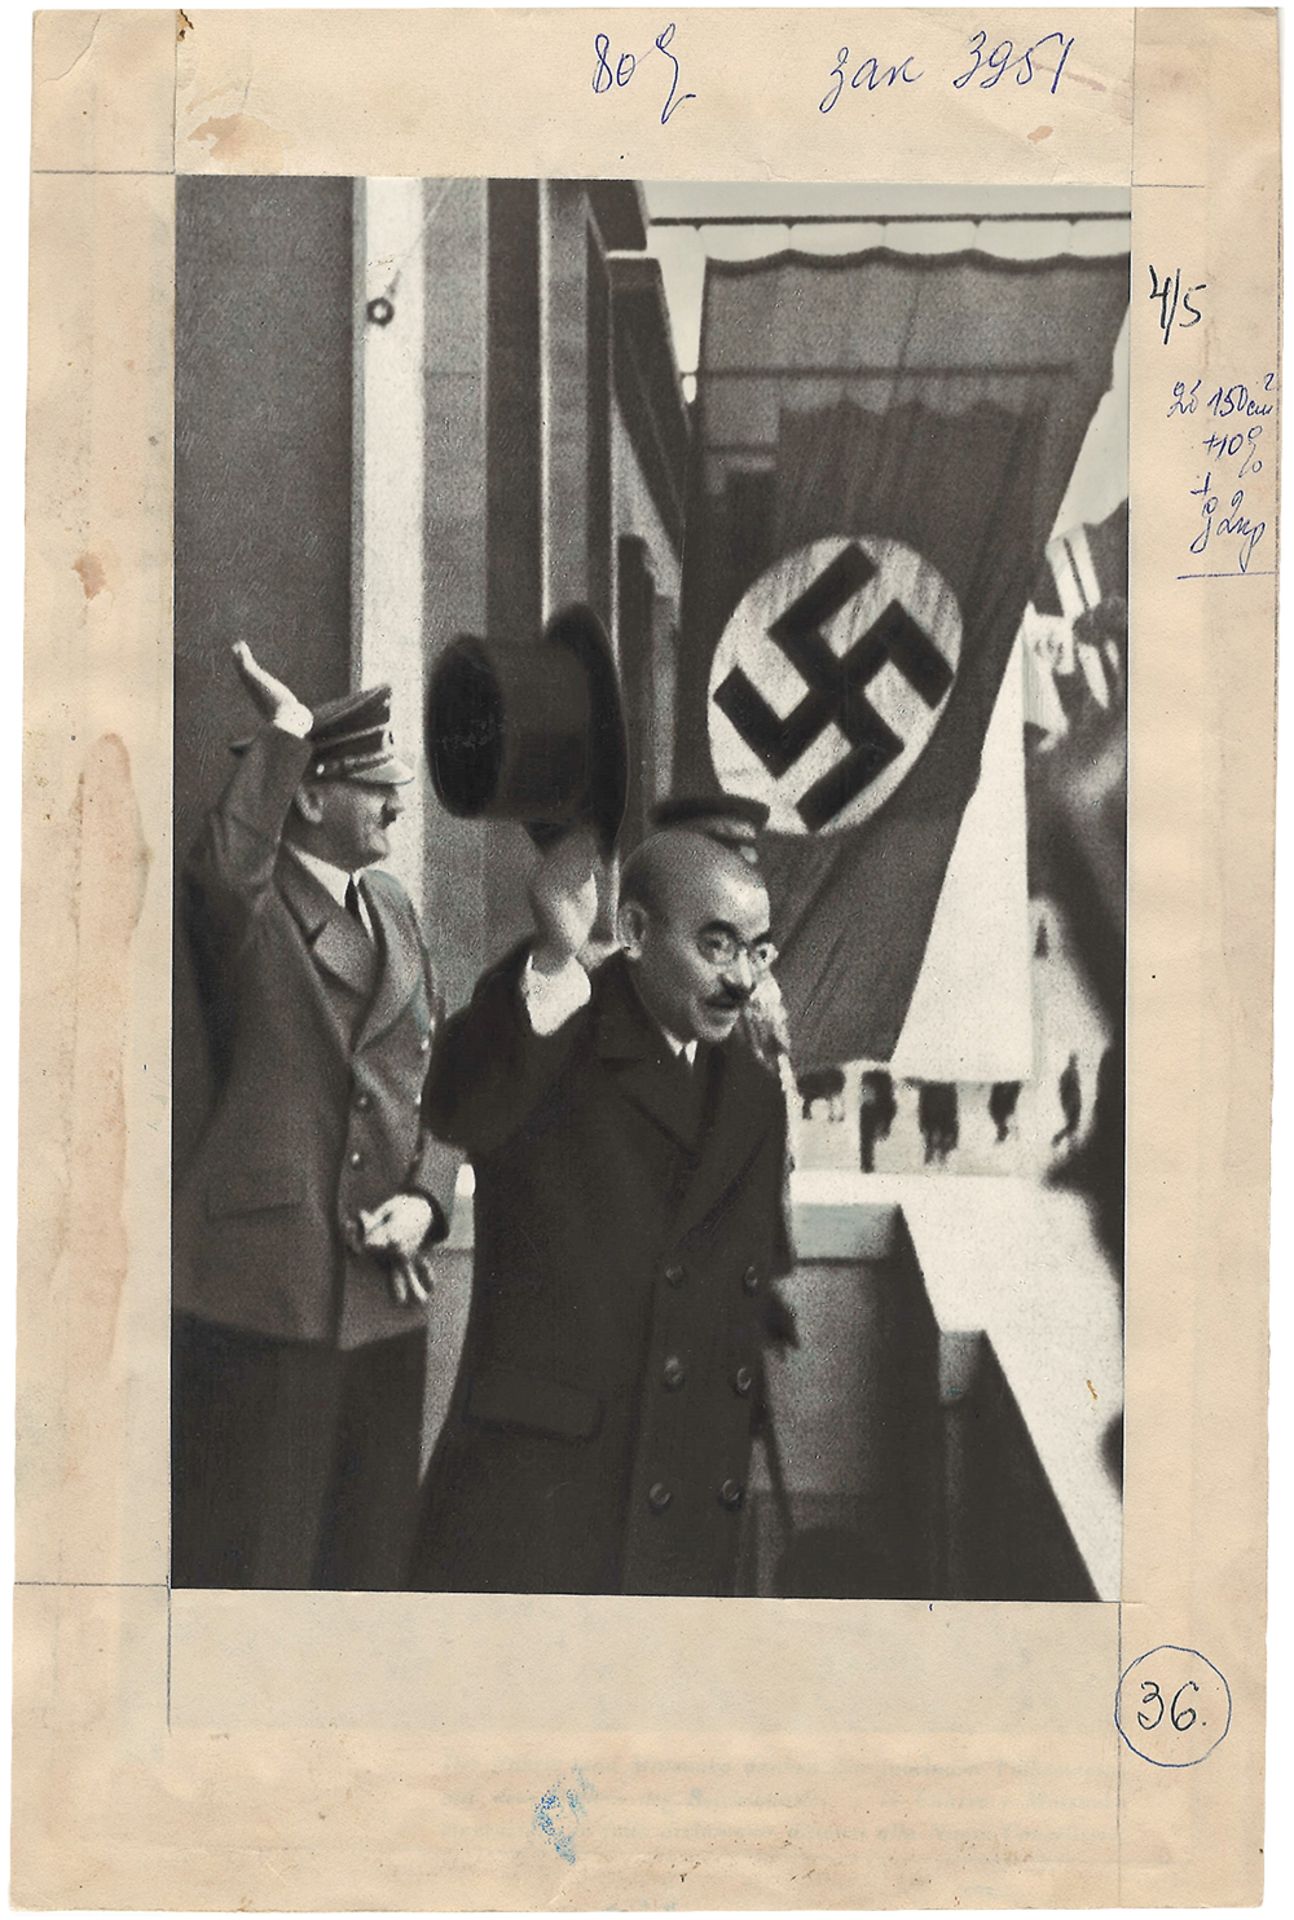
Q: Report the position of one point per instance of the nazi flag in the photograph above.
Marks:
(829, 680)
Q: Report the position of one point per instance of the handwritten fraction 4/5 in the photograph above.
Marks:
(1175, 306)
(987, 66)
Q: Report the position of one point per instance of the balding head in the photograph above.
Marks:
(680, 859)
(691, 911)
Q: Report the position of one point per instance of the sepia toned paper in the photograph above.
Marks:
(302, 1751)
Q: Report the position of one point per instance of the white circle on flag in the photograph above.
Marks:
(877, 631)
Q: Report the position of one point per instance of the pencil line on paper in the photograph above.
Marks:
(109, 1586)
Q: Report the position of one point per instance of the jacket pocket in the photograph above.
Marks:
(511, 1397)
(255, 1190)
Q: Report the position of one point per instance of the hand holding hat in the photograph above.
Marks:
(564, 897)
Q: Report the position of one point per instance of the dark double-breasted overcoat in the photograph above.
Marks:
(629, 1228)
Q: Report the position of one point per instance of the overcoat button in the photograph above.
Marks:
(658, 1496)
(357, 1158)
(363, 1102)
(750, 1280)
(743, 1380)
(673, 1372)
(731, 1493)
(424, 1045)
(675, 1274)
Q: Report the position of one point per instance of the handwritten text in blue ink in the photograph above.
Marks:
(986, 66)
(1226, 526)
(616, 71)
(1234, 523)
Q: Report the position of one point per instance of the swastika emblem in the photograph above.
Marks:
(829, 680)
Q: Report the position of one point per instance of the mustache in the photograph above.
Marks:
(730, 1001)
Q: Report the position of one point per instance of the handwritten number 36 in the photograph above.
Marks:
(1181, 1718)
(605, 76)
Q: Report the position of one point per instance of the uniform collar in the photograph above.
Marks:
(334, 880)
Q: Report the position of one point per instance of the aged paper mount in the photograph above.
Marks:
(306, 1751)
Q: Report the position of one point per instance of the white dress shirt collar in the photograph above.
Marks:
(551, 999)
(684, 1048)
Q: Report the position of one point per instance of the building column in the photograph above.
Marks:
(387, 575)
(576, 378)
(419, 510)
(455, 538)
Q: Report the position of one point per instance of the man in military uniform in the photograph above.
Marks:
(303, 1226)
(628, 1151)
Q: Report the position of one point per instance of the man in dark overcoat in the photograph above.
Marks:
(628, 1151)
(303, 1226)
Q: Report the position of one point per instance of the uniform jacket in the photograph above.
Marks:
(320, 1041)
(629, 1226)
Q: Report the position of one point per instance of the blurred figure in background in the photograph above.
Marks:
(937, 1117)
(877, 1110)
(1077, 803)
(1003, 1100)
(1070, 1092)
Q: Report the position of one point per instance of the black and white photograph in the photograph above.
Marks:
(649, 815)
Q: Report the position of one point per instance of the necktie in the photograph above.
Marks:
(688, 1089)
(352, 902)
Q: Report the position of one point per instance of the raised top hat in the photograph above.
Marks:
(351, 739)
(730, 818)
(532, 732)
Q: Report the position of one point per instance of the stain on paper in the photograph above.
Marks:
(559, 1810)
(94, 575)
(241, 140)
(112, 873)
